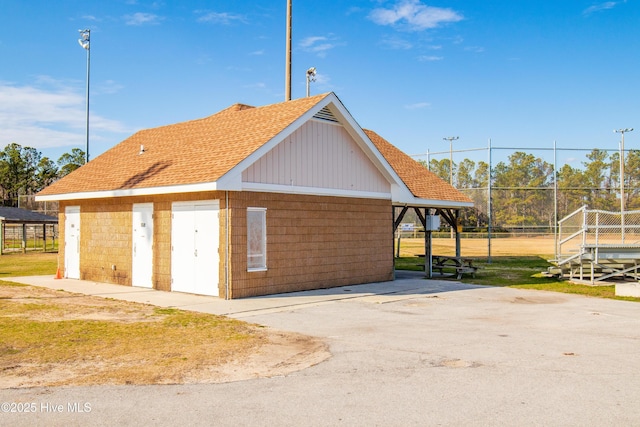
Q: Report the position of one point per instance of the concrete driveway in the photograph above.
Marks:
(408, 352)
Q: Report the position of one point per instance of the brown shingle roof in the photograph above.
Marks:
(423, 183)
(203, 150)
(191, 152)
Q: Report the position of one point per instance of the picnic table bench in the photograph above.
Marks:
(461, 265)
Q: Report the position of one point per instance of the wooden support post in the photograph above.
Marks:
(428, 249)
(24, 238)
(457, 221)
(427, 240)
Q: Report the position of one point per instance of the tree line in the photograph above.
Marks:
(24, 171)
(522, 188)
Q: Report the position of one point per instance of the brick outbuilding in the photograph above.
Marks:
(249, 201)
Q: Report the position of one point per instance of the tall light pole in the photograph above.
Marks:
(622, 132)
(451, 139)
(85, 42)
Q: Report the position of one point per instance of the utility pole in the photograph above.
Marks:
(287, 88)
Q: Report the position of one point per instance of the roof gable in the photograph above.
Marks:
(319, 155)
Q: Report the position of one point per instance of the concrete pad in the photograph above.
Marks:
(410, 286)
(628, 290)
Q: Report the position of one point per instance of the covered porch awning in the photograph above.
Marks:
(450, 214)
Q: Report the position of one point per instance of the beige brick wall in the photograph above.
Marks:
(312, 242)
(105, 237)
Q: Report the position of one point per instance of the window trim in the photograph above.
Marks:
(262, 267)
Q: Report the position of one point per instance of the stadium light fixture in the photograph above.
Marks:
(311, 77)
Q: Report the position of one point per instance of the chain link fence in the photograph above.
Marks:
(27, 238)
(525, 192)
(28, 202)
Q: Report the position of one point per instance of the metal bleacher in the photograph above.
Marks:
(595, 245)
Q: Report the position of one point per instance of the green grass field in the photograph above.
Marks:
(29, 264)
(515, 262)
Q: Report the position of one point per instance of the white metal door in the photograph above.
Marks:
(182, 248)
(72, 242)
(194, 247)
(206, 249)
(142, 245)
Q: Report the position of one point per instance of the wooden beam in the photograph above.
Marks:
(449, 216)
(396, 222)
(421, 217)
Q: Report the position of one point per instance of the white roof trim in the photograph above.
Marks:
(130, 192)
(313, 191)
(402, 196)
(428, 203)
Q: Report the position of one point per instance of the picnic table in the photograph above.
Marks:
(461, 265)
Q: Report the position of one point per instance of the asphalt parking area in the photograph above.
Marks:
(409, 352)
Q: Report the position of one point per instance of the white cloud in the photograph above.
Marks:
(310, 41)
(319, 45)
(224, 18)
(601, 6)
(141, 18)
(40, 117)
(414, 16)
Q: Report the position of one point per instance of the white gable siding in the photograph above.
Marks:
(318, 155)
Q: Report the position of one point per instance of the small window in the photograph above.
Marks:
(256, 239)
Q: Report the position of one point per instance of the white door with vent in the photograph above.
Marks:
(142, 245)
(72, 242)
(194, 247)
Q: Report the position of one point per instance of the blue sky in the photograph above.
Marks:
(523, 73)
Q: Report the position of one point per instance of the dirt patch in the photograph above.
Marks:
(53, 338)
(284, 353)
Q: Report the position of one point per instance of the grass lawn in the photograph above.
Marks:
(29, 264)
(520, 272)
(51, 337)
